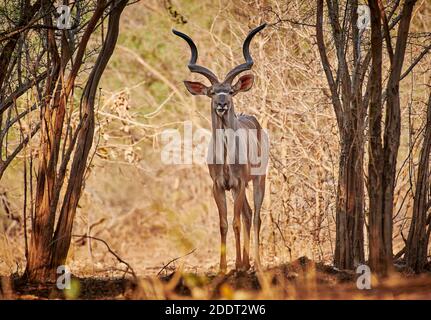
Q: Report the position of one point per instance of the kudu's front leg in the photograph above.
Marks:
(239, 196)
(220, 198)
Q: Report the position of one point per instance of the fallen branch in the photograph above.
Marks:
(173, 260)
(112, 252)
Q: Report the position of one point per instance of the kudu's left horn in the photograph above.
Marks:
(246, 52)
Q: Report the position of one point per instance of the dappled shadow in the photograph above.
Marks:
(81, 288)
(301, 279)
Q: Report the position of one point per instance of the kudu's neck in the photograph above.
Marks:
(227, 121)
(219, 125)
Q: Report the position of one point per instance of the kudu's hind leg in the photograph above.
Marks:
(238, 196)
(246, 218)
(220, 198)
(258, 194)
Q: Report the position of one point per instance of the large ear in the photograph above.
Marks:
(196, 88)
(244, 83)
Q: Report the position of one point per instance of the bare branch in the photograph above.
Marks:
(129, 267)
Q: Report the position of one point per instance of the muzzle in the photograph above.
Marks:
(221, 110)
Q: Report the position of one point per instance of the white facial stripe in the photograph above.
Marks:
(221, 93)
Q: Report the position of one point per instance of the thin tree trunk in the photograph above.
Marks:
(349, 247)
(63, 232)
(393, 128)
(417, 240)
(51, 128)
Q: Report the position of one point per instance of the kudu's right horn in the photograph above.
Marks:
(192, 64)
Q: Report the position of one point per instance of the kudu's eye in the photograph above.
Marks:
(231, 91)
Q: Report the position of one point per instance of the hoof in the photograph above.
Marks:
(239, 266)
(239, 272)
(246, 267)
(221, 273)
(223, 267)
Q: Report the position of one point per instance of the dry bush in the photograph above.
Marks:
(169, 210)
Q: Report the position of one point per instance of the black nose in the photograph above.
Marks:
(221, 106)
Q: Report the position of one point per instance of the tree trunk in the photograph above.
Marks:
(383, 154)
(375, 165)
(350, 113)
(417, 240)
(49, 249)
(51, 128)
(349, 249)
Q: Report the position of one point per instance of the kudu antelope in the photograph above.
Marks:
(233, 175)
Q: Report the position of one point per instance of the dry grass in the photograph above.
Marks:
(301, 279)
